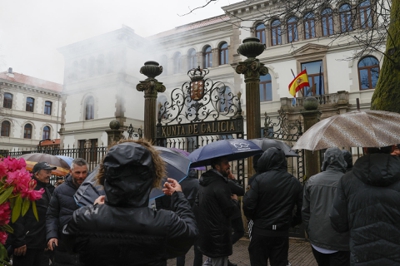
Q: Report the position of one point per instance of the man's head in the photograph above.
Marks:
(42, 171)
(78, 171)
(221, 164)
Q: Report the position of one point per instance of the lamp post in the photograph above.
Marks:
(150, 87)
(251, 68)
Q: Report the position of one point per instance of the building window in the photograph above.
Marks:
(368, 72)
(207, 57)
(345, 18)
(365, 15)
(260, 32)
(223, 54)
(30, 104)
(46, 132)
(276, 33)
(225, 96)
(315, 75)
(177, 63)
(89, 108)
(265, 88)
(327, 22)
(292, 30)
(192, 59)
(8, 99)
(5, 129)
(309, 26)
(47, 107)
(28, 131)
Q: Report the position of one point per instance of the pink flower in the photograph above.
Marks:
(5, 213)
(20, 179)
(3, 237)
(32, 195)
(14, 164)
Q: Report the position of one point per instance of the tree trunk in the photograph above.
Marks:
(387, 92)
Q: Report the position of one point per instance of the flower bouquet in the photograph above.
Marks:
(17, 195)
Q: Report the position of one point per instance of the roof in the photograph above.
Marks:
(31, 81)
(49, 142)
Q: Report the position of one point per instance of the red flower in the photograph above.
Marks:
(5, 213)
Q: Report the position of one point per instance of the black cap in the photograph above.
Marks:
(43, 166)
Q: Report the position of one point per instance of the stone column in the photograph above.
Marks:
(114, 134)
(311, 115)
(151, 87)
(251, 68)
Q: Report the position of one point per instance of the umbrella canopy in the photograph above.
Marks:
(177, 167)
(232, 149)
(265, 144)
(34, 158)
(353, 129)
(186, 153)
(67, 159)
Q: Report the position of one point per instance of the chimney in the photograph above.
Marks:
(10, 72)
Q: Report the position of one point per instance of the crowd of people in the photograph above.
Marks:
(351, 213)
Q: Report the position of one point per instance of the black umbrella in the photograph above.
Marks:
(265, 144)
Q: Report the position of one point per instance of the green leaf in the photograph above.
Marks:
(7, 228)
(25, 206)
(4, 260)
(16, 212)
(34, 209)
(4, 196)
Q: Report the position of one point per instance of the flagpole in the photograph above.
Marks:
(294, 98)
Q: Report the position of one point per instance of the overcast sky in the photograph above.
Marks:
(31, 31)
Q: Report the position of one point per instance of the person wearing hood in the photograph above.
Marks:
(273, 203)
(120, 228)
(328, 246)
(348, 158)
(214, 208)
(59, 212)
(29, 237)
(367, 205)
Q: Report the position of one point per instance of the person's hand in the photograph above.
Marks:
(171, 186)
(100, 200)
(51, 242)
(234, 197)
(21, 251)
(231, 176)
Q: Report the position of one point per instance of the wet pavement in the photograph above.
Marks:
(300, 254)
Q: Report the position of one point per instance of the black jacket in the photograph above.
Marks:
(124, 230)
(214, 208)
(238, 190)
(368, 204)
(29, 231)
(273, 196)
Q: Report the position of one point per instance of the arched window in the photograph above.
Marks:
(207, 57)
(276, 32)
(265, 88)
(309, 26)
(8, 99)
(225, 99)
(89, 108)
(368, 72)
(47, 107)
(28, 131)
(365, 15)
(292, 30)
(345, 18)
(177, 63)
(327, 22)
(5, 129)
(46, 132)
(260, 32)
(192, 59)
(30, 104)
(223, 54)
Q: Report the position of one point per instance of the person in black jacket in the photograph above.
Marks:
(367, 205)
(29, 237)
(270, 203)
(61, 207)
(120, 228)
(214, 208)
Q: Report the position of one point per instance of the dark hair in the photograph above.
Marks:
(216, 161)
(371, 150)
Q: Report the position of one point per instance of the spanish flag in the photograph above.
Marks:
(298, 83)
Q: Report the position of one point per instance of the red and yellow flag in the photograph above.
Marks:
(298, 83)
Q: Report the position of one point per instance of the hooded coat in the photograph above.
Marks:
(124, 230)
(214, 209)
(319, 192)
(273, 196)
(368, 205)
